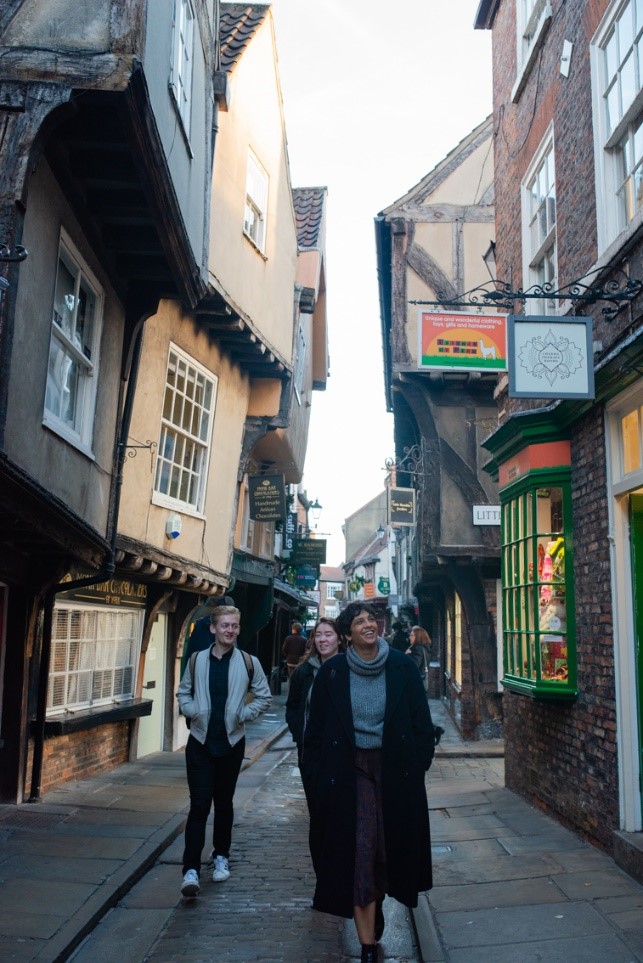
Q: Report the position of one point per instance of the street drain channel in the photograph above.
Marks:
(442, 848)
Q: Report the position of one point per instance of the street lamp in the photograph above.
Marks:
(316, 510)
(381, 531)
(489, 258)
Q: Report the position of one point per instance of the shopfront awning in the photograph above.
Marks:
(293, 594)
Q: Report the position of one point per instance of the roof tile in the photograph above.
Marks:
(309, 205)
(237, 26)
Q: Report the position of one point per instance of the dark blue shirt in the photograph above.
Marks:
(216, 740)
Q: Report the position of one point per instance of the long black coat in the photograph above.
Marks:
(329, 764)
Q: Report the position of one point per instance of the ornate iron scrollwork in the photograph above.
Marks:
(130, 450)
(410, 463)
(501, 295)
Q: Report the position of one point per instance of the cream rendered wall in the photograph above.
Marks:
(467, 183)
(261, 286)
(205, 539)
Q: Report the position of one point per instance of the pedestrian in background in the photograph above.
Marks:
(324, 641)
(369, 741)
(213, 696)
(294, 647)
(399, 637)
(420, 651)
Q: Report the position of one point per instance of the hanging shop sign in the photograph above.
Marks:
(289, 533)
(550, 357)
(306, 576)
(468, 342)
(309, 551)
(267, 497)
(384, 586)
(401, 506)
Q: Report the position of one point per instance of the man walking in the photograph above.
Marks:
(294, 647)
(212, 695)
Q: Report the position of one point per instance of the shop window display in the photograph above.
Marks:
(539, 643)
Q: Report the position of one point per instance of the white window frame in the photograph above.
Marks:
(545, 254)
(256, 206)
(85, 356)
(532, 21)
(175, 434)
(614, 221)
(182, 68)
(106, 643)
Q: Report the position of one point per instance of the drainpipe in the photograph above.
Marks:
(129, 377)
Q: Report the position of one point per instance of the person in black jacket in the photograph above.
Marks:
(369, 742)
(324, 645)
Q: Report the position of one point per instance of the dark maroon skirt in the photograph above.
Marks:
(370, 853)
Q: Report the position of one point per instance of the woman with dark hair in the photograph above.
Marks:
(369, 742)
(420, 651)
(324, 645)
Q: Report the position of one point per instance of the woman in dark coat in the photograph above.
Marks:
(369, 742)
(324, 645)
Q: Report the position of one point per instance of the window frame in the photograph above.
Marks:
(81, 433)
(529, 588)
(94, 645)
(183, 47)
(530, 33)
(533, 257)
(256, 205)
(613, 223)
(163, 498)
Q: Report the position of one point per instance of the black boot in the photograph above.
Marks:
(379, 920)
(369, 953)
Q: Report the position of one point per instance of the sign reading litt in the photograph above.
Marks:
(267, 497)
(401, 506)
(471, 342)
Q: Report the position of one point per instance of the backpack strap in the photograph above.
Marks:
(250, 666)
(192, 663)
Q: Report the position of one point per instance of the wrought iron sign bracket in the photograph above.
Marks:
(129, 451)
(501, 295)
(411, 463)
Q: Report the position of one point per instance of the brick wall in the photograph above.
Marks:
(82, 754)
(562, 756)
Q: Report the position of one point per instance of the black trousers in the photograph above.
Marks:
(211, 780)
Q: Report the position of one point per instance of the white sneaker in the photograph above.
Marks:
(221, 869)
(190, 886)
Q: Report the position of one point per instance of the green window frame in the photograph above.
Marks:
(539, 629)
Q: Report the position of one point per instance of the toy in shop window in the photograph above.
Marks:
(552, 615)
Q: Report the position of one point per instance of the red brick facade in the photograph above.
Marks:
(563, 755)
(83, 754)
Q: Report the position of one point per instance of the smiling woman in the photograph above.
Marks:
(364, 768)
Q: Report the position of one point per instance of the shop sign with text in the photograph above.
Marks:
(267, 496)
(401, 506)
(309, 551)
(550, 357)
(469, 342)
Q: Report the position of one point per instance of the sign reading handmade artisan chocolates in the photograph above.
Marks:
(267, 497)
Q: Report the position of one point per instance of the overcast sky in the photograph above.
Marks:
(375, 95)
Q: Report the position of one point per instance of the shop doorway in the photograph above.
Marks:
(636, 544)
(150, 731)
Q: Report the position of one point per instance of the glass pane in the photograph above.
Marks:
(631, 441)
(611, 57)
(62, 384)
(553, 658)
(628, 82)
(625, 31)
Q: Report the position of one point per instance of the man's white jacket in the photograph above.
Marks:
(194, 700)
